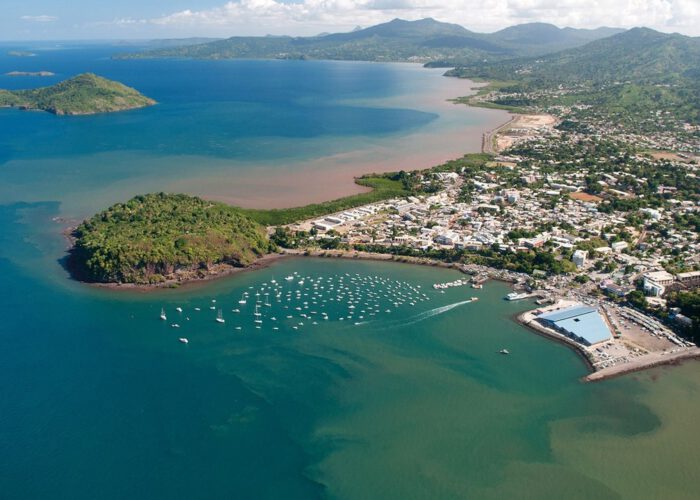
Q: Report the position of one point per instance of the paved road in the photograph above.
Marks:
(488, 140)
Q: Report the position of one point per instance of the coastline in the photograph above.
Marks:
(646, 362)
(530, 124)
(456, 132)
(643, 362)
(527, 320)
(489, 139)
(443, 98)
(221, 271)
(216, 272)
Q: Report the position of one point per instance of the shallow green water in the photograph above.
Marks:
(100, 400)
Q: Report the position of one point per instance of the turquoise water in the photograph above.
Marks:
(101, 400)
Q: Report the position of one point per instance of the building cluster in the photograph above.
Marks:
(549, 194)
(554, 215)
(652, 129)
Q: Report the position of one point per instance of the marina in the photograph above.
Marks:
(304, 300)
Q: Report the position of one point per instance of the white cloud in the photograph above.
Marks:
(39, 19)
(303, 17)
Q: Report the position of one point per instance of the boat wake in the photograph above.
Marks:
(434, 312)
(411, 320)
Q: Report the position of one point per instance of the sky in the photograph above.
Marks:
(147, 19)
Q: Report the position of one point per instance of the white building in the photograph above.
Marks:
(655, 283)
(579, 258)
(619, 246)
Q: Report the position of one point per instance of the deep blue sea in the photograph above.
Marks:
(362, 381)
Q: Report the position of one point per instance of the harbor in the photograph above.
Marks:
(608, 351)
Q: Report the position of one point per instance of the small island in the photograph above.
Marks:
(85, 94)
(164, 239)
(30, 73)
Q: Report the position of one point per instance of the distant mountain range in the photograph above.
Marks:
(638, 70)
(426, 40)
(641, 55)
(636, 73)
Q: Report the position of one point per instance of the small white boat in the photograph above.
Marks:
(183, 340)
(220, 317)
(178, 309)
(289, 278)
(517, 296)
(504, 351)
(197, 309)
(175, 325)
(162, 314)
(243, 300)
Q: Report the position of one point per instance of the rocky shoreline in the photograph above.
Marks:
(186, 278)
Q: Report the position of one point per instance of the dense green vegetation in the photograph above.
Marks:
(689, 304)
(151, 237)
(632, 73)
(81, 95)
(641, 54)
(425, 40)
(383, 188)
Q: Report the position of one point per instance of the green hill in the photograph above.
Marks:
(81, 95)
(641, 54)
(638, 71)
(152, 237)
(425, 40)
(540, 38)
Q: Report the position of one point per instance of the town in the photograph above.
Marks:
(573, 219)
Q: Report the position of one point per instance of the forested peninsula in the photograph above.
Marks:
(157, 238)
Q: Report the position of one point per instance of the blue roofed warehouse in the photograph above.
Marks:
(581, 323)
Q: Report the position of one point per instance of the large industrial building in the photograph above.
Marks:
(580, 323)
